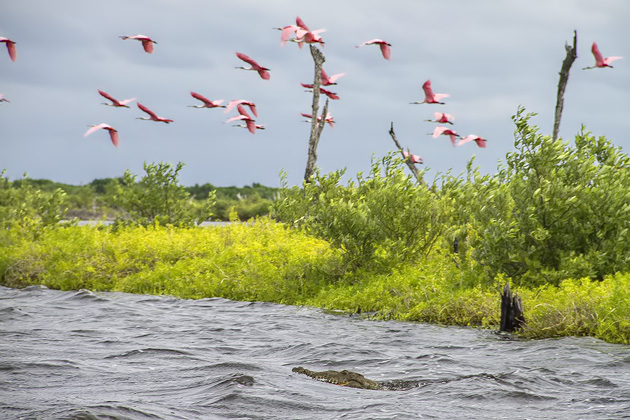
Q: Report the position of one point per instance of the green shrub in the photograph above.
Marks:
(23, 206)
(381, 221)
(553, 211)
(159, 199)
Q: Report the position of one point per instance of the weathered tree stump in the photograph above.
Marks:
(562, 83)
(512, 317)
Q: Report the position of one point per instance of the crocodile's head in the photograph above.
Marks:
(343, 378)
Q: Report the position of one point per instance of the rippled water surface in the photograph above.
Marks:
(84, 355)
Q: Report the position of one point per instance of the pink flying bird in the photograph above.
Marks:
(303, 35)
(245, 117)
(330, 80)
(600, 61)
(113, 133)
(329, 119)
(207, 103)
(288, 30)
(481, 142)
(429, 96)
(3, 99)
(242, 114)
(10, 47)
(152, 115)
(251, 126)
(286, 33)
(262, 71)
(442, 118)
(443, 131)
(235, 102)
(411, 157)
(308, 37)
(115, 102)
(385, 47)
(331, 95)
(147, 43)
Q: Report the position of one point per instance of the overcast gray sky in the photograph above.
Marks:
(491, 56)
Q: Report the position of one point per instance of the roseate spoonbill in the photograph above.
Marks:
(152, 115)
(3, 99)
(243, 115)
(331, 95)
(290, 29)
(207, 103)
(309, 37)
(239, 117)
(115, 102)
(429, 96)
(385, 47)
(286, 32)
(330, 80)
(329, 119)
(251, 126)
(442, 118)
(10, 47)
(147, 43)
(481, 142)
(411, 157)
(262, 71)
(246, 118)
(600, 61)
(113, 133)
(235, 102)
(443, 131)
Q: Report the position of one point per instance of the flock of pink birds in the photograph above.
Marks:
(299, 34)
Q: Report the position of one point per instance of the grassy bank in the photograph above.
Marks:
(266, 261)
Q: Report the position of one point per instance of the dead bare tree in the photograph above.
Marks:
(317, 124)
(562, 83)
(410, 164)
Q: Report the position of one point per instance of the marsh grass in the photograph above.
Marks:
(261, 260)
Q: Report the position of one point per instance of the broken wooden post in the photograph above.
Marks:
(512, 317)
(562, 83)
(317, 125)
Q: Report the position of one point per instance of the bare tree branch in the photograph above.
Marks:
(316, 126)
(562, 83)
(410, 164)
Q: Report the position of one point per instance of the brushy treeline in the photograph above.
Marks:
(101, 198)
(554, 221)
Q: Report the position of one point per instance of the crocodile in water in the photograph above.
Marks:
(355, 380)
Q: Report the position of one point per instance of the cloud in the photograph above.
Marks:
(490, 56)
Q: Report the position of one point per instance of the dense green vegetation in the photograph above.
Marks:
(553, 221)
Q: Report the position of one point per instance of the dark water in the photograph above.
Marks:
(80, 355)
